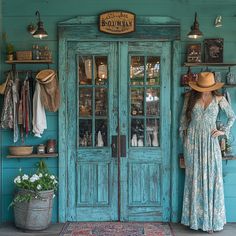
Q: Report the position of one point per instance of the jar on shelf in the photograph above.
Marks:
(51, 146)
(41, 149)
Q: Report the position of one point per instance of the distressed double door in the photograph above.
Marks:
(119, 131)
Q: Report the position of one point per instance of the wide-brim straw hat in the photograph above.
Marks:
(44, 75)
(50, 94)
(205, 83)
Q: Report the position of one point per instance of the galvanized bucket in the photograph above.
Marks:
(35, 214)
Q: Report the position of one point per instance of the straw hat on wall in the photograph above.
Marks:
(50, 94)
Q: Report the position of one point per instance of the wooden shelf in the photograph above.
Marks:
(229, 85)
(29, 62)
(230, 157)
(34, 155)
(225, 158)
(186, 64)
(225, 85)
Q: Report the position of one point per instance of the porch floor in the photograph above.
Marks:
(55, 229)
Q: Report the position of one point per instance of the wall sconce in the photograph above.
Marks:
(195, 32)
(38, 32)
(218, 21)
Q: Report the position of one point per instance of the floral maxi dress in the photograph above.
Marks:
(203, 202)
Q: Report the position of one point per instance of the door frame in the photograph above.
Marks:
(157, 29)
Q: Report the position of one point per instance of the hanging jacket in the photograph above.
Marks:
(9, 114)
(15, 98)
(7, 119)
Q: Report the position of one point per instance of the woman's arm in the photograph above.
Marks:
(183, 120)
(224, 105)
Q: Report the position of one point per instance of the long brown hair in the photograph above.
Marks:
(193, 97)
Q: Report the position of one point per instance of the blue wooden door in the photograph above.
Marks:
(119, 131)
(144, 105)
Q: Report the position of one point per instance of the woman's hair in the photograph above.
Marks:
(193, 96)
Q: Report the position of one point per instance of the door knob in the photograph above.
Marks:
(114, 149)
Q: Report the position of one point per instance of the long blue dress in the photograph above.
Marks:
(203, 202)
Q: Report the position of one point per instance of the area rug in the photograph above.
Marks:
(116, 229)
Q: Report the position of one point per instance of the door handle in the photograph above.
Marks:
(123, 145)
(114, 150)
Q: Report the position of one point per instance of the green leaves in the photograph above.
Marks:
(42, 180)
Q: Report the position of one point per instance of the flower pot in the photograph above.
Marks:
(35, 214)
(10, 57)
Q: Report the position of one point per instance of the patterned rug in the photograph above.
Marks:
(116, 229)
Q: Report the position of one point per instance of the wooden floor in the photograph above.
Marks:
(55, 229)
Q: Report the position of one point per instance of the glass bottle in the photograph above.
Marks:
(223, 146)
(37, 52)
(34, 52)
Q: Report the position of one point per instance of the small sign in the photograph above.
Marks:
(117, 22)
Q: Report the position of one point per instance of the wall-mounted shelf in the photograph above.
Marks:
(225, 158)
(29, 62)
(34, 155)
(186, 64)
(225, 85)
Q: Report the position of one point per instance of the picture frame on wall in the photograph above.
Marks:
(213, 50)
(194, 53)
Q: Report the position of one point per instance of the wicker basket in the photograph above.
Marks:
(23, 55)
(20, 150)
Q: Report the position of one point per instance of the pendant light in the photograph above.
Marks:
(218, 21)
(40, 31)
(195, 33)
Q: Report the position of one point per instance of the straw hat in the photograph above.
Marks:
(205, 83)
(3, 87)
(50, 94)
(44, 75)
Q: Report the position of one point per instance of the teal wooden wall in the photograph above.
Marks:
(16, 15)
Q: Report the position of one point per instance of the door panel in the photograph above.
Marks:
(119, 117)
(145, 121)
(92, 171)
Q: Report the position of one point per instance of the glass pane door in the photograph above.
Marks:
(145, 101)
(93, 100)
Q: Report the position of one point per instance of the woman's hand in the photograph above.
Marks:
(215, 133)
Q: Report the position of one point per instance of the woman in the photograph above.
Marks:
(203, 203)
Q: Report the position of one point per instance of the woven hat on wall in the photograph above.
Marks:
(50, 93)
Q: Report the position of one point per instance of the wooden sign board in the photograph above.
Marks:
(117, 22)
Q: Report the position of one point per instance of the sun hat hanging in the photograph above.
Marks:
(50, 94)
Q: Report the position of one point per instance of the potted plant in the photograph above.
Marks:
(33, 201)
(10, 51)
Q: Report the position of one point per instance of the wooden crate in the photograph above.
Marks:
(23, 55)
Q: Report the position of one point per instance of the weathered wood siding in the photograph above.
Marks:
(15, 17)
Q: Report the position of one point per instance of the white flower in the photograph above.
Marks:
(53, 196)
(52, 177)
(46, 175)
(35, 176)
(25, 177)
(17, 179)
(39, 187)
(40, 175)
(32, 179)
(20, 169)
(54, 181)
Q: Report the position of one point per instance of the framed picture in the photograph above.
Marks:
(194, 53)
(213, 49)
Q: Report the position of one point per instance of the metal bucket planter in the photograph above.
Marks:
(35, 214)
